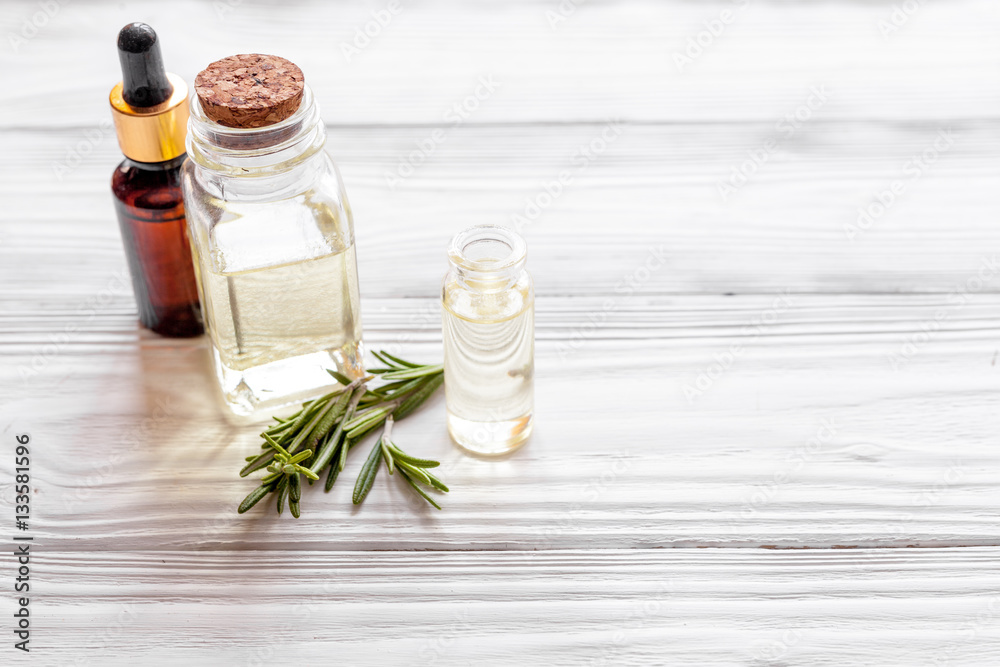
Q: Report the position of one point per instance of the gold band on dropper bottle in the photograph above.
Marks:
(156, 133)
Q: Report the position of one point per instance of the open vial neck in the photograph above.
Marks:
(487, 257)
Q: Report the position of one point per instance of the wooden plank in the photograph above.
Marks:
(654, 191)
(707, 607)
(605, 60)
(848, 421)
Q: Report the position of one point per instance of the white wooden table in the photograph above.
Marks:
(767, 427)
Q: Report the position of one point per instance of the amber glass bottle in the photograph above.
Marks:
(150, 209)
(150, 110)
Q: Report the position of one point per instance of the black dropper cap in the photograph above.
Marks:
(144, 77)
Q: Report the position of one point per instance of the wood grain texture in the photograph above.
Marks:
(823, 431)
(652, 195)
(707, 606)
(735, 369)
(606, 60)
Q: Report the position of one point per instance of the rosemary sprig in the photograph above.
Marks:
(322, 433)
(410, 468)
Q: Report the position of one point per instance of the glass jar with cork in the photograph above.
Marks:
(271, 233)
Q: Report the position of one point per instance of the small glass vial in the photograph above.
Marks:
(272, 237)
(488, 307)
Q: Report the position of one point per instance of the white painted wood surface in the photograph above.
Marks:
(858, 410)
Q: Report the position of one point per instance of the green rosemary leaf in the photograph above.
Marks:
(362, 430)
(381, 392)
(279, 428)
(311, 426)
(255, 497)
(411, 373)
(301, 456)
(401, 388)
(339, 377)
(416, 472)
(307, 472)
(360, 434)
(367, 425)
(294, 488)
(308, 411)
(412, 460)
(382, 356)
(419, 490)
(285, 437)
(331, 417)
(283, 423)
(367, 476)
(345, 449)
(400, 362)
(374, 414)
(384, 443)
(436, 483)
(387, 455)
(371, 395)
(331, 477)
(250, 458)
(258, 462)
(417, 398)
(325, 452)
(282, 493)
(275, 446)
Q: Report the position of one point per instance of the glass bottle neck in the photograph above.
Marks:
(487, 258)
(256, 152)
(157, 166)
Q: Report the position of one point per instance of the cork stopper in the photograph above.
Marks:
(250, 90)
